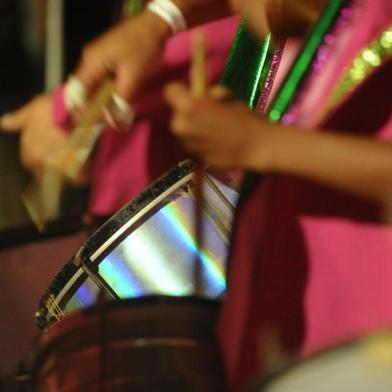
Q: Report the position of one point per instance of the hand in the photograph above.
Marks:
(224, 135)
(131, 52)
(39, 137)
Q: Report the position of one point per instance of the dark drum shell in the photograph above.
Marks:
(155, 343)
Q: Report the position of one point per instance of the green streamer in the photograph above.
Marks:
(295, 77)
(247, 66)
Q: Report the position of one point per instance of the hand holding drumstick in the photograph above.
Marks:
(43, 198)
(209, 122)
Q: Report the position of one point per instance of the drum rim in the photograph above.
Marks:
(151, 299)
(146, 300)
(126, 213)
(106, 231)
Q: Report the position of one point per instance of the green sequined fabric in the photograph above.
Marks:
(298, 72)
(247, 65)
(290, 87)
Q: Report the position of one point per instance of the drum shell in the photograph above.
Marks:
(148, 344)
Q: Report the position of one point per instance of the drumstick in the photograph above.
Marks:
(43, 197)
(70, 160)
(198, 87)
(198, 67)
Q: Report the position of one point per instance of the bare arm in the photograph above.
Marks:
(132, 51)
(202, 11)
(227, 135)
(359, 165)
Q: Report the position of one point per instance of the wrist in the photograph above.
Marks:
(195, 11)
(287, 148)
(154, 25)
(270, 147)
(259, 143)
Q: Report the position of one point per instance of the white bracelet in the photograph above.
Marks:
(170, 13)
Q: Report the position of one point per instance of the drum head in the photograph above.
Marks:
(148, 247)
(360, 366)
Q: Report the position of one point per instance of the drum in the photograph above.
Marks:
(361, 365)
(148, 247)
(153, 343)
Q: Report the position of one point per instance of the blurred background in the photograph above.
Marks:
(40, 43)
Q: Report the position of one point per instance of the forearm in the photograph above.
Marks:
(293, 17)
(197, 12)
(358, 165)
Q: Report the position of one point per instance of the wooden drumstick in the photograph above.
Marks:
(198, 66)
(198, 85)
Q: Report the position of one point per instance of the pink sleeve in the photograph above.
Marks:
(61, 115)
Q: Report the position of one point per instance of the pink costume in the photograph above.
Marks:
(126, 163)
(309, 262)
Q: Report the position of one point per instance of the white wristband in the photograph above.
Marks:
(170, 13)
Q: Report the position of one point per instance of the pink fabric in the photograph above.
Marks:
(308, 262)
(350, 294)
(61, 115)
(126, 163)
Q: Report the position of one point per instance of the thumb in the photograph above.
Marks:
(90, 73)
(15, 121)
(127, 83)
(178, 96)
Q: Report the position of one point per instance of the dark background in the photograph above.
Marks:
(28, 260)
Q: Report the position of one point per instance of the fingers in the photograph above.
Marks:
(14, 122)
(106, 58)
(118, 114)
(178, 96)
(181, 125)
(220, 93)
(207, 127)
(126, 83)
(91, 72)
(191, 114)
(182, 102)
